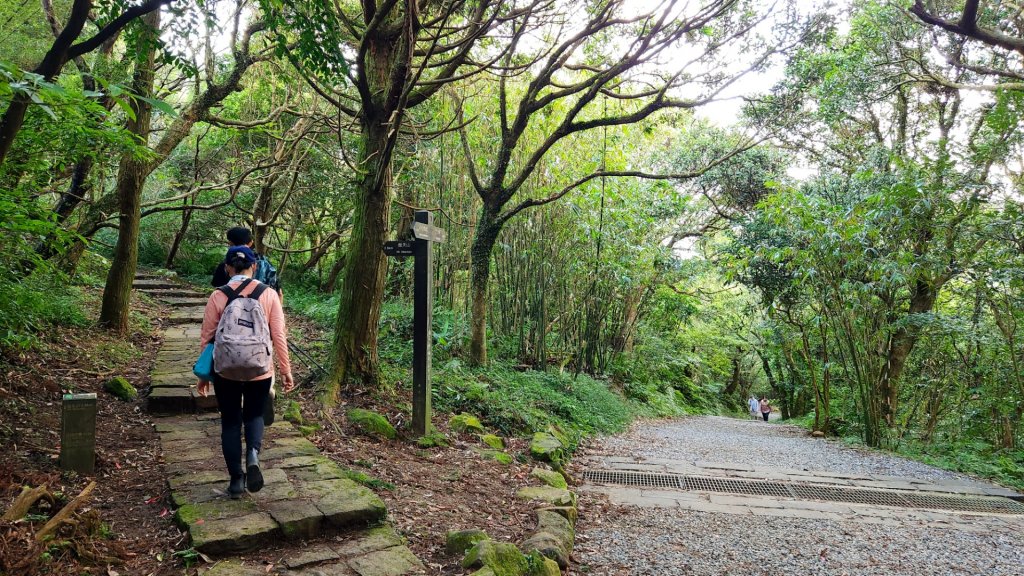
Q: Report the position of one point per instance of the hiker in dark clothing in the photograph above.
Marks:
(264, 271)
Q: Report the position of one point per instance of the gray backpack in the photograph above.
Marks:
(243, 349)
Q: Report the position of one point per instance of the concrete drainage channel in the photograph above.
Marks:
(805, 491)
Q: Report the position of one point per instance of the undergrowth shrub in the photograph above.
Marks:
(31, 305)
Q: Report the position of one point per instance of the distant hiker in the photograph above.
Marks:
(765, 408)
(754, 406)
(265, 271)
(245, 323)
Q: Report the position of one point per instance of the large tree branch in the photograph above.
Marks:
(967, 26)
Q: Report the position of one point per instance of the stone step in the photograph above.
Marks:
(369, 552)
(155, 284)
(192, 315)
(305, 494)
(185, 302)
(164, 294)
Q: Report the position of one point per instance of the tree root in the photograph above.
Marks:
(69, 531)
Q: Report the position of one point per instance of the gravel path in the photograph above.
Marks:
(619, 541)
(734, 441)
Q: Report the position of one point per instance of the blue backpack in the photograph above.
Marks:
(266, 273)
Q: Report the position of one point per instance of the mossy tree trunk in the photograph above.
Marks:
(131, 178)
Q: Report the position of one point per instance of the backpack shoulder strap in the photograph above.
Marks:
(236, 292)
(258, 291)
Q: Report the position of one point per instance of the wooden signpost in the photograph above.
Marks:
(423, 296)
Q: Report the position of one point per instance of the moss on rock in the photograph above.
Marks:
(120, 387)
(549, 477)
(465, 423)
(309, 430)
(433, 440)
(459, 541)
(549, 494)
(546, 447)
(293, 413)
(493, 441)
(502, 558)
(541, 566)
(372, 423)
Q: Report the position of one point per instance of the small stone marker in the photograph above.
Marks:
(78, 433)
(423, 288)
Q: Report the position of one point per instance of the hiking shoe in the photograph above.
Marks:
(237, 487)
(253, 476)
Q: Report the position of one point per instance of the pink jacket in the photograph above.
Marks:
(271, 304)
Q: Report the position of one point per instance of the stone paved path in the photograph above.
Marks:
(306, 496)
(675, 531)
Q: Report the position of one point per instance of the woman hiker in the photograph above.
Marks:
(766, 408)
(245, 321)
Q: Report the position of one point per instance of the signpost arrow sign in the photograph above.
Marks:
(424, 231)
(399, 248)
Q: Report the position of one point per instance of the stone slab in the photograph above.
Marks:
(397, 561)
(281, 448)
(170, 400)
(345, 503)
(370, 541)
(298, 519)
(233, 568)
(234, 535)
(312, 555)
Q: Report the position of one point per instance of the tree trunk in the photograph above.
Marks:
(900, 346)
(186, 219)
(355, 333)
(480, 271)
(131, 178)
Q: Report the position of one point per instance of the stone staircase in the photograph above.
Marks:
(306, 496)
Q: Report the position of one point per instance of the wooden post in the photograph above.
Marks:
(422, 249)
(422, 326)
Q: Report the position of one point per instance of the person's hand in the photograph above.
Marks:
(203, 388)
(289, 383)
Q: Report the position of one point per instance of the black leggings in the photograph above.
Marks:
(765, 415)
(240, 402)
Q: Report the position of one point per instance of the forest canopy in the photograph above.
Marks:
(690, 202)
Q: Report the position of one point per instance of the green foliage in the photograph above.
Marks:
(34, 304)
(516, 402)
(367, 480)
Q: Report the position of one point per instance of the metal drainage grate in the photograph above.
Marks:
(732, 486)
(645, 479)
(795, 490)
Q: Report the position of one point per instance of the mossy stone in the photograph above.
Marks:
(309, 430)
(493, 441)
(432, 440)
(546, 447)
(459, 541)
(549, 477)
(293, 413)
(541, 566)
(120, 387)
(499, 456)
(372, 423)
(465, 423)
(502, 558)
(551, 495)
